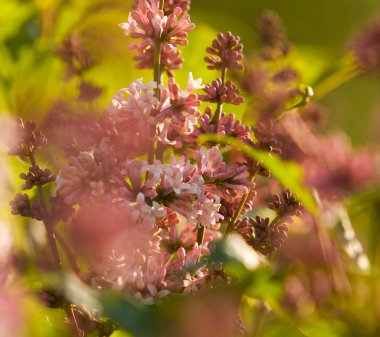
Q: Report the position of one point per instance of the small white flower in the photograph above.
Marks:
(193, 84)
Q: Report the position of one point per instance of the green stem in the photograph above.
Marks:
(69, 254)
(218, 110)
(335, 80)
(260, 318)
(157, 78)
(275, 220)
(231, 224)
(46, 221)
(201, 235)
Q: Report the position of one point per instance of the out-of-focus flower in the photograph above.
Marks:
(209, 315)
(21, 205)
(266, 136)
(36, 177)
(226, 51)
(366, 46)
(12, 317)
(74, 54)
(170, 5)
(285, 75)
(86, 175)
(272, 36)
(27, 139)
(89, 91)
(330, 164)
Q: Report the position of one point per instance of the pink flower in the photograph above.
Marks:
(228, 93)
(227, 52)
(136, 104)
(144, 214)
(208, 213)
(221, 180)
(149, 23)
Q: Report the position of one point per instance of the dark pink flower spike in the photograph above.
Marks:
(216, 92)
(226, 51)
(28, 139)
(148, 23)
(264, 236)
(36, 177)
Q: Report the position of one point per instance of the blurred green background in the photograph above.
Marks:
(33, 77)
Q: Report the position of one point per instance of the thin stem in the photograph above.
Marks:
(157, 78)
(218, 110)
(69, 254)
(157, 65)
(46, 221)
(275, 220)
(260, 318)
(335, 80)
(53, 238)
(346, 68)
(201, 235)
(231, 224)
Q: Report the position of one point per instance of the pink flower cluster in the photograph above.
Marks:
(168, 25)
(143, 202)
(150, 201)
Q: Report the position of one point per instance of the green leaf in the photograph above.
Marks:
(120, 334)
(288, 173)
(137, 319)
(44, 322)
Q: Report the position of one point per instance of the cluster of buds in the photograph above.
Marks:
(226, 51)
(27, 141)
(78, 60)
(264, 236)
(267, 236)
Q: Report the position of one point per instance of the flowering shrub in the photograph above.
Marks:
(167, 212)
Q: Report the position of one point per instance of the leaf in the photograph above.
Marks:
(137, 319)
(118, 333)
(44, 322)
(288, 173)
